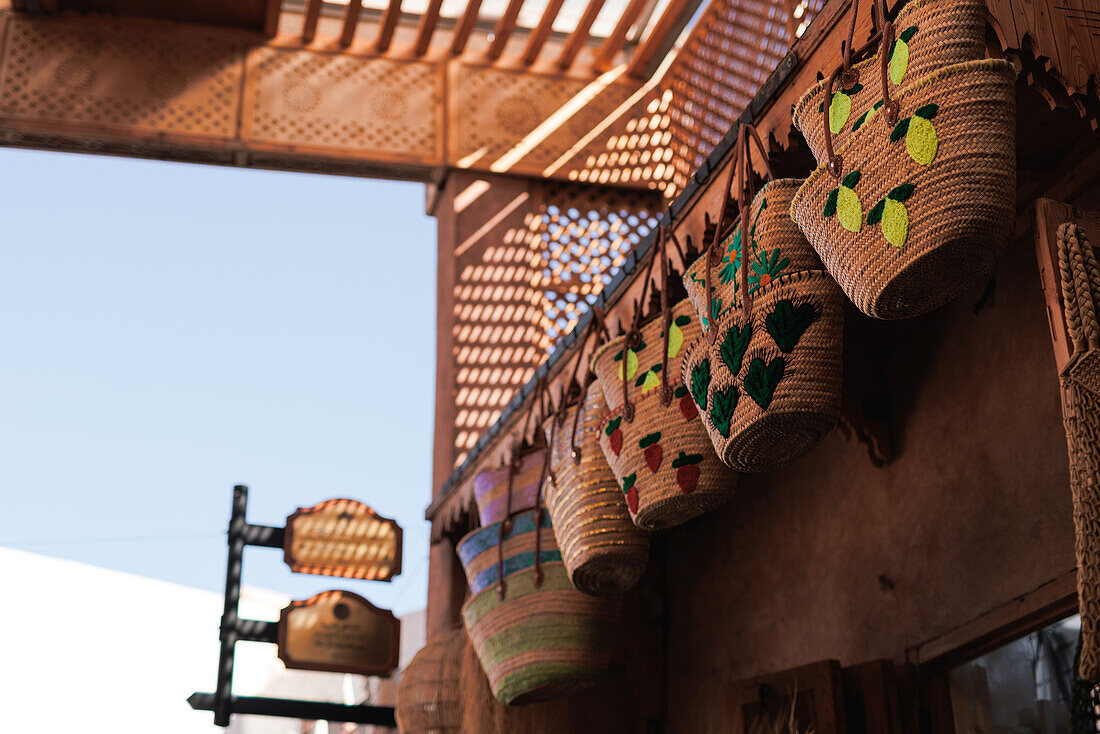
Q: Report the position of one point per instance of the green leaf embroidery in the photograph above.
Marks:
(721, 414)
(613, 425)
(830, 203)
(854, 89)
(860, 120)
(681, 391)
(733, 347)
(787, 323)
(908, 33)
(700, 383)
(850, 180)
(899, 193)
(761, 380)
(683, 459)
(875, 215)
(649, 439)
(928, 111)
(899, 130)
(628, 482)
(682, 320)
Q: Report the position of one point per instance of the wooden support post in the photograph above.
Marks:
(504, 28)
(309, 22)
(387, 26)
(538, 37)
(579, 36)
(615, 41)
(465, 27)
(351, 22)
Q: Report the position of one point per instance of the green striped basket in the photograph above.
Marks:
(541, 640)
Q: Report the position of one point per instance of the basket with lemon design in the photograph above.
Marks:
(652, 435)
(930, 34)
(919, 207)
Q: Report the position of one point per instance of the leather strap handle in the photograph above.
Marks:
(634, 335)
(709, 255)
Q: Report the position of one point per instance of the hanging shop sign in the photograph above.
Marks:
(343, 537)
(339, 632)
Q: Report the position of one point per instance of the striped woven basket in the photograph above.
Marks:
(428, 697)
(769, 387)
(541, 640)
(921, 209)
(778, 248)
(663, 458)
(481, 551)
(491, 488)
(604, 552)
(931, 34)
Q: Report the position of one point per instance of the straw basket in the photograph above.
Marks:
(769, 387)
(491, 488)
(540, 640)
(604, 552)
(428, 696)
(481, 550)
(930, 34)
(921, 209)
(662, 458)
(777, 244)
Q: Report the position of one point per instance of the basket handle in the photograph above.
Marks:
(849, 76)
(634, 334)
(744, 207)
(595, 326)
(712, 250)
(542, 393)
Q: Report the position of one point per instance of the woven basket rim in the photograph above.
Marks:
(819, 87)
(783, 280)
(495, 525)
(619, 339)
(493, 589)
(964, 67)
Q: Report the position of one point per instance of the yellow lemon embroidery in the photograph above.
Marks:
(892, 215)
(921, 140)
(844, 202)
(899, 55)
(840, 107)
(631, 365)
(651, 381)
(676, 335)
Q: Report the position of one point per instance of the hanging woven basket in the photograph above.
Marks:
(428, 697)
(767, 378)
(540, 640)
(482, 550)
(491, 487)
(651, 435)
(916, 211)
(603, 550)
(769, 389)
(930, 34)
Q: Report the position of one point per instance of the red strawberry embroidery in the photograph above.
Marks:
(687, 405)
(614, 435)
(631, 493)
(687, 471)
(651, 451)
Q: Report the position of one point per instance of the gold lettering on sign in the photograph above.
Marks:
(340, 632)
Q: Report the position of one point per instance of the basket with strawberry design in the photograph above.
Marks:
(917, 206)
(603, 550)
(930, 34)
(651, 434)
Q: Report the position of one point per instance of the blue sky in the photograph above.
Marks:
(170, 330)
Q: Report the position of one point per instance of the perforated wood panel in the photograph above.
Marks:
(731, 51)
(378, 107)
(116, 75)
(494, 109)
(526, 281)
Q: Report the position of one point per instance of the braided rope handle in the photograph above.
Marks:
(1080, 280)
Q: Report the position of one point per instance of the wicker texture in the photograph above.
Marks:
(945, 198)
(428, 696)
(769, 393)
(778, 248)
(604, 552)
(944, 32)
(479, 551)
(491, 488)
(663, 459)
(1080, 277)
(540, 640)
